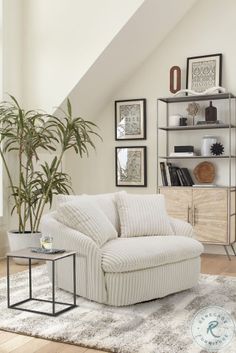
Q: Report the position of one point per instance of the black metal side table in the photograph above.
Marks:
(28, 254)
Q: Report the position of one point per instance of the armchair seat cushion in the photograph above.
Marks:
(138, 253)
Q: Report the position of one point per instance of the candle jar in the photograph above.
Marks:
(46, 242)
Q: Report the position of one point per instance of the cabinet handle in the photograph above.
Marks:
(194, 215)
(189, 209)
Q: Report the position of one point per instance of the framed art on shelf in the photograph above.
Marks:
(131, 166)
(130, 119)
(204, 72)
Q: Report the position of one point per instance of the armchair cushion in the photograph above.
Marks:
(105, 202)
(142, 215)
(133, 254)
(88, 219)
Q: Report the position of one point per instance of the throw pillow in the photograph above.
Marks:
(88, 219)
(142, 215)
(105, 202)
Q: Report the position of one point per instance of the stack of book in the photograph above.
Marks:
(183, 151)
(175, 176)
(182, 154)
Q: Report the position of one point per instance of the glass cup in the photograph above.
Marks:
(46, 242)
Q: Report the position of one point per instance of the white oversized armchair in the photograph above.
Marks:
(126, 270)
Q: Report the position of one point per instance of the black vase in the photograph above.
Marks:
(211, 113)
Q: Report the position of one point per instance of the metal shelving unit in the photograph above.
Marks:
(227, 125)
(196, 157)
(196, 127)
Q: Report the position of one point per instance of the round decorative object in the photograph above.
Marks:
(217, 149)
(204, 172)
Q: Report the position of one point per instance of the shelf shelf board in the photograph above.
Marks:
(198, 187)
(196, 127)
(200, 97)
(196, 157)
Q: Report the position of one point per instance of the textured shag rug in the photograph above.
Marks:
(158, 326)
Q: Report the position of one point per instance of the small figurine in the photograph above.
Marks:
(217, 149)
(193, 109)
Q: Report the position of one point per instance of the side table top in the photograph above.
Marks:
(28, 254)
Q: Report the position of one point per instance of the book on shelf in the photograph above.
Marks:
(187, 176)
(174, 179)
(182, 154)
(178, 149)
(163, 174)
(179, 176)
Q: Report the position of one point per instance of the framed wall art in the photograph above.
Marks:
(131, 166)
(204, 72)
(130, 119)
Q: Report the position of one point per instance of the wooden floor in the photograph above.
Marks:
(14, 343)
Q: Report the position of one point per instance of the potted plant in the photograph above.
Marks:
(33, 184)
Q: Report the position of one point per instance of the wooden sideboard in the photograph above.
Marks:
(211, 211)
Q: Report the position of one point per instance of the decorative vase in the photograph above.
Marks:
(211, 114)
(18, 241)
(174, 120)
(207, 142)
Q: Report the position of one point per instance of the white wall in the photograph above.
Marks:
(128, 50)
(209, 27)
(11, 78)
(12, 48)
(47, 46)
(62, 39)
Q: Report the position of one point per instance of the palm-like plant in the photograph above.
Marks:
(26, 133)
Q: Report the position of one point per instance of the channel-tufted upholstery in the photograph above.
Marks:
(125, 271)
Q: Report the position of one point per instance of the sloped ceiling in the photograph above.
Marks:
(146, 29)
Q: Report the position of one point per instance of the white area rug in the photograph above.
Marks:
(159, 326)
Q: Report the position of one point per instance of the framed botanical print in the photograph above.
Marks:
(131, 166)
(204, 72)
(130, 119)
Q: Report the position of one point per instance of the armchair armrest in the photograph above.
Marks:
(66, 237)
(181, 227)
(90, 276)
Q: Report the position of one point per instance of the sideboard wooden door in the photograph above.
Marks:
(178, 202)
(210, 215)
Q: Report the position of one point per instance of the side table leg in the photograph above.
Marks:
(53, 287)
(8, 282)
(30, 280)
(74, 277)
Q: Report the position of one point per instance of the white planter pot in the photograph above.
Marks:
(18, 241)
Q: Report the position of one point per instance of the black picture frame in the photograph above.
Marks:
(138, 167)
(130, 119)
(196, 82)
